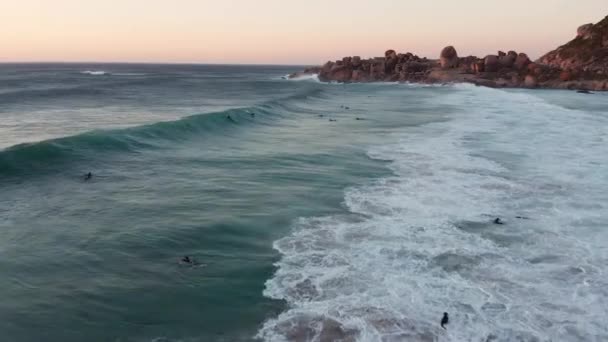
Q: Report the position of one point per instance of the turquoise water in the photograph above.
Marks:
(364, 228)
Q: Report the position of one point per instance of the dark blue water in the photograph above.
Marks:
(363, 228)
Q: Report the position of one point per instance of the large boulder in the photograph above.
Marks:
(356, 61)
(390, 54)
(448, 58)
(491, 63)
(506, 61)
(522, 61)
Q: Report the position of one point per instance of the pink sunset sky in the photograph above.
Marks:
(281, 31)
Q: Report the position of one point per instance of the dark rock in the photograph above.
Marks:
(491, 63)
(506, 61)
(448, 57)
(522, 61)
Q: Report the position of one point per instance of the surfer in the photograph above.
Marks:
(498, 221)
(188, 260)
(445, 320)
(88, 176)
(230, 118)
(333, 120)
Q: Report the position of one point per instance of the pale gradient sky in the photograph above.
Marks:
(281, 31)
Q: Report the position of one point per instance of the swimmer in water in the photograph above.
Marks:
(498, 221)
(88, 176)
(445, 320)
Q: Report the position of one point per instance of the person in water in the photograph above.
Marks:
(88, 176)
(445, 320)
(498, 221)
(188, 260)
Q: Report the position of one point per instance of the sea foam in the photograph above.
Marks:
(421, 242)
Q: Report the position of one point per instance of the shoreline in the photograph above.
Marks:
(583, 86)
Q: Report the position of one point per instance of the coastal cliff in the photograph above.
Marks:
(580, 64)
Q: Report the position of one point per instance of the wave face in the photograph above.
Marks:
(55, 154)
(422, 241)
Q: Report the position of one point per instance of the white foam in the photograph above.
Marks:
(306, 77)
(420, 242)
(94, 72)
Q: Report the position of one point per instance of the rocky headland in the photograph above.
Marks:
(579, 64)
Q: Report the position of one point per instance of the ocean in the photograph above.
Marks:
(314, 212)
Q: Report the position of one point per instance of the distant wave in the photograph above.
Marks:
(54, 154)
(103, 72)
(128, 74)
(310, 77)
(95, 72)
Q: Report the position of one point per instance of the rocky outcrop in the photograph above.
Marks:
(586, 55)
(392, 67)
(580, 64)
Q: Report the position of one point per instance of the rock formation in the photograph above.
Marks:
(580, 64)
(448, 58)
(586, 55)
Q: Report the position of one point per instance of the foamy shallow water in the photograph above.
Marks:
(421, 242)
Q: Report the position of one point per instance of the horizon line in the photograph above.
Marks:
(152, 63)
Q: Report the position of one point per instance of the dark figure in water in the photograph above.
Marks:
(445, 320)
(498, 221)
(188, 260)
(230, 118)
(253, 115)
(333, 120)
(88, 176)
(583, 91)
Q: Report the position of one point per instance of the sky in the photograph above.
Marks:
(281, 31)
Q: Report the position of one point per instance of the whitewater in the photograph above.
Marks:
(422, 241)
